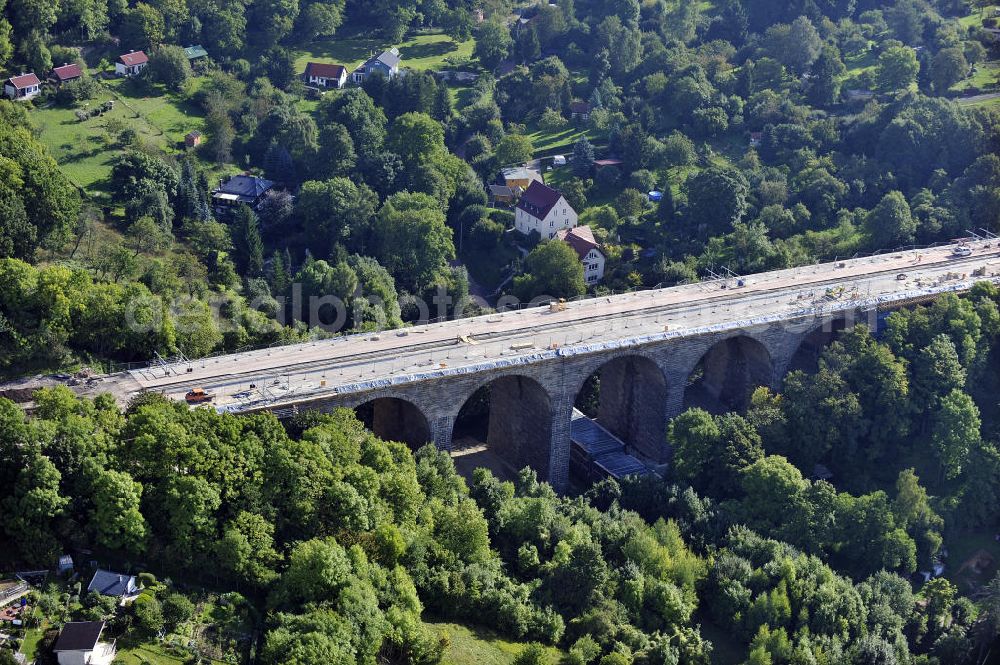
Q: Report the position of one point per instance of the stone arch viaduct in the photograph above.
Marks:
(643, 386)
(655, 352)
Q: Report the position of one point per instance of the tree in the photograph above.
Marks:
(317, 570)
(146, 235)
(493, 43)
(717, 199)
(553, 269)
(335, 211)
(116, 519)
(355, 110)
(936, 371)
(583, 158)
(148, 613)
(247, 245)
(274, 19)
(336, 154)
(32, 508)
(533, 654)
(695, 438)
(948, 67)
(142, 27)
(29, 15)
(417, 138)
(6, 44)
(824, 86)
(320, 18)
(796, 46)
(246, 549)
(528, 48)
(897, 68)
(34, 52)
(169, 65)
(955, 432)
(514, 149)
(457, 24)
(190, 504)
(412, 239)
(221, 134)
(890, 223)
(773, 487)
(176, 609)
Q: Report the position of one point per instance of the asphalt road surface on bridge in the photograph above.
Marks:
(286, 374)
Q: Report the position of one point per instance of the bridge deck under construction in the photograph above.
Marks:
(351, 363)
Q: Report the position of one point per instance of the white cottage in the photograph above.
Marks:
(80, 643)
(23, 87)
(581, 239)
(324, 75)
(543, 209)
(131, 63)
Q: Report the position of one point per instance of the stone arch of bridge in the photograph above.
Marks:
(395, 418)
(727, 372)
(814, 338)
(626, 392)
(512, 415)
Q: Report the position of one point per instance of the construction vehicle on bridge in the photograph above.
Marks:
(198, 396)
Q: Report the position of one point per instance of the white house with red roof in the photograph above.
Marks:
(131, 63)
(582, 240)
(325, 75)
(66, 73)
(23, 87)
(543, 209)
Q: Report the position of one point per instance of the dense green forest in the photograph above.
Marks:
(779, 133)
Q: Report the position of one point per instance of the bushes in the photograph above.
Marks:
(85, 114)
(77, 91)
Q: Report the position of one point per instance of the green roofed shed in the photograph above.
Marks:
(195, 52)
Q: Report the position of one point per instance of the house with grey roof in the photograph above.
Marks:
(385, 63)
(108, 583)
(244, 189)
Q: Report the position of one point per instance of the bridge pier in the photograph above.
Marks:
(675, 397)
(441, 431)
(559, 448)
(632, 387)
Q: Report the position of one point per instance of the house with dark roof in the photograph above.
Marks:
(66, 73)
(195, 52)
(131, 63)
(245, 189)
(582, 240)
(108, 583)
(543, 209)
(22, 88)
(80, 643)
(579, 110)
(325, 75)
(502, 194)
(385, 63)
